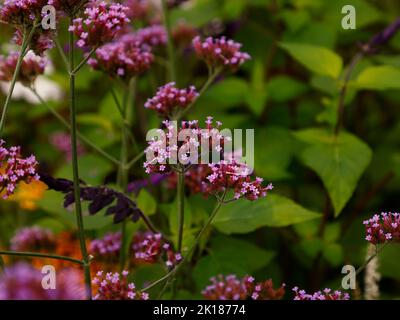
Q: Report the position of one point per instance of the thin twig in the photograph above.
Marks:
(40, 255)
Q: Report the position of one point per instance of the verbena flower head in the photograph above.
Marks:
(183, 34)
(265, 291)
(228, 288)
(62, 142)
(124, 58)
(164, 150)
(148, 247)
(23, 282)
(40, 42)
(100, 24)
(70, 7)
(220, 53)
(32, 66)
(14, 169)
(137, 9)
(115, 286)
(106, 249)
(22, 12)
(326, 294)
(382, 228)
(33, 239)
(153, 36)
(168, 97)
(233, 175)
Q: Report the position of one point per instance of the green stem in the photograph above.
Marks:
(191, 250)
(61, 52)
(40, 255)
(25, 43)
(126, 122)
(83, 62)
(80, 135)
(170, 45)
(74, 144)
(180, 190)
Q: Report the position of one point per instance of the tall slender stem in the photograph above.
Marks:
(74, 145)
(25, 43)
(40, 255)
(124, 170)
(170, 45)
(181, 206)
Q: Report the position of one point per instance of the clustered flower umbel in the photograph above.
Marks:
(168, 97)
(326, 294)
(231, 288)
(32, 66)
(153, 36)
(22, 13)
(220, 53)
(149, 248)
(383, 227)
(33, 239)
(124, 58)
(233, 175)
(162, 152)
(14, 169)
(106, 248)
(115, 286)
(100, 24)
(23, 282)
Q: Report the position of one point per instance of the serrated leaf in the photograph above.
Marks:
(339, 162)
(379, 78)
(319, 60)
(245, 216)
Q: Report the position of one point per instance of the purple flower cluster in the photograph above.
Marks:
(233, 175)
(33, 239)
(115, 286)
(22, 282)
(14, 169)
(100, 24)
(232, 288)
(220, 52)
(326, 294)
(22, 12)
(137, 9)
(383, 227)
(32, 66)
(124, 58)
(152, 36)
(169, 96)
(107, 248)
(149, 248)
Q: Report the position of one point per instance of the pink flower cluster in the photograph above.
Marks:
(232, 288)
(163, 152)
(123, 58)
(168, 97)
(220, 52)
(33, 239)
(153, 36)
(233, 175)
(107, 248)
(32, 66)
(383, 227)
(22, 12)
(14, 169)
(22, 282)
(101, 23)
(326, 294)
(115, 286)
(149, 248)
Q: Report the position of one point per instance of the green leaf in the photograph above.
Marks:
(245, 216)
(333, 253)
(282, 89)
(339, 162)
(228, 255)
(146, 203)
(389, 261)
(317, 59)
(95, 120)
(379, 78)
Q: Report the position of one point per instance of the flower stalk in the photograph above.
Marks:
(170, 44)
(39, 255)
